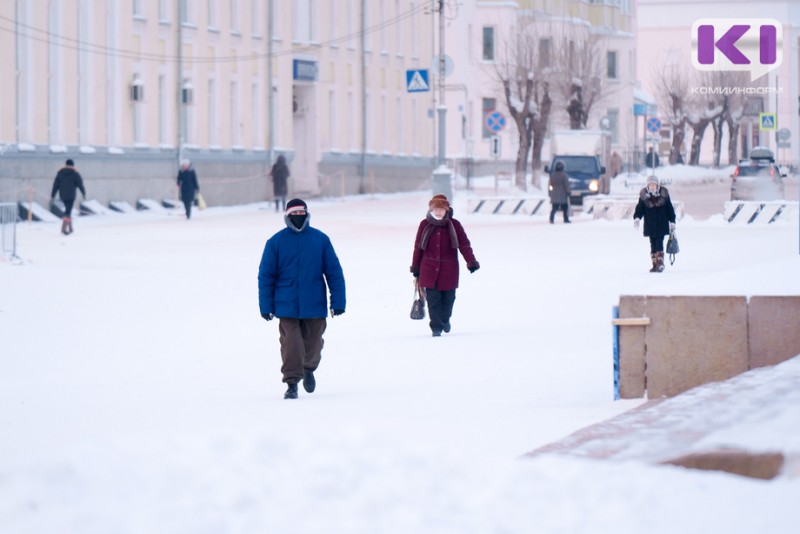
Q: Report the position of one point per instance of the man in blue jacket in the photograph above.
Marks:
(295, 266)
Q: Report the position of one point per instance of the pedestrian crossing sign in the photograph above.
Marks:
(767, 121)
(417, 80)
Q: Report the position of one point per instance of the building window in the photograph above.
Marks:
(545, 46)
(163, 10)
(613, 124)
(489, 105)
(212, 14)
(213, 131)
(162, 110)
(185, 11)
(611, 64)
(235, 138)
(137, 8)
(234, 5)
(488, 43)
(332, 126)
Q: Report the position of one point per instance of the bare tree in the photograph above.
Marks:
(579, 73)
(541, 116)
(672, 92)
(526, 95)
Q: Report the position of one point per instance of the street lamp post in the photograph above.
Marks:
(442, 176)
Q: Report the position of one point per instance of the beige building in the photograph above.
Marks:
(126, 88)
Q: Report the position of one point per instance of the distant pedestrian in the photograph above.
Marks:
(655, 207)
(435, 261)
(280, 182)
(188, 186)
(652, 160)
(614, 164)
(559, 191)
(67, 182)
(295, 266)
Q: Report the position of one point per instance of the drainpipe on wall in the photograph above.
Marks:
(179, 86)
(270, 91)
(363, 167)
(16, 70)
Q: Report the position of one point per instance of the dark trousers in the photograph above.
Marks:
(563, 207)
(187, 204)
(656, 243)
(280, 201)
(68, 204)
(301, 346)
(440, 307)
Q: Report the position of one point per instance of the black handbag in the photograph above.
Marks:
(672, 247)
(418, 308)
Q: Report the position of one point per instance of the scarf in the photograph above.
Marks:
(432, 224)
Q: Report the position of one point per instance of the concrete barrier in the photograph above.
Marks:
(619, 208)
(756, 212)
(36, 212)
(507, 205)
(668, 345)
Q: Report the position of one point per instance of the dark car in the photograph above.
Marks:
(757, 178)
(584, 174)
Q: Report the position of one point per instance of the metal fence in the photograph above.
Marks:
(8, 229)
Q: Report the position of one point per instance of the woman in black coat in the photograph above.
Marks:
(187, 182)
(655, 207)
(280, 182)
(559, 191)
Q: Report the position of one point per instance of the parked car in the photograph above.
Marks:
(584, 173)
(758, 177)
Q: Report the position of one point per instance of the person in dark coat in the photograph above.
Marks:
(655, 207)
(559, 191)
(280, 182)
(295, 266)
(188, 186)
(67, 182)
(435, 261)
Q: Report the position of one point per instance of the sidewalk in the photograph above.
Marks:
(748, 425)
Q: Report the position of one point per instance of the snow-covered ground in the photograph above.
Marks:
(140, 390)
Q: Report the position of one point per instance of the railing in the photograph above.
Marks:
(8, 229)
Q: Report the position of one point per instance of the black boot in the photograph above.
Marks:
(291, 392)
(309, 382)
(65, 226)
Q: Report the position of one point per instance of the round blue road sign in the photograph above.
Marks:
(653, 124)
(495, 121)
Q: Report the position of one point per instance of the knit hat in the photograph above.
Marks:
(439, 201)
(70, 163)
(295, 205)
(652, 179)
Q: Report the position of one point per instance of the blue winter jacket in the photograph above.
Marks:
(294, 268)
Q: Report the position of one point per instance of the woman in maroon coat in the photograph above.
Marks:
(435, 261)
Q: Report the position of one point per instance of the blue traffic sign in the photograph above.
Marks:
(653, 124)
(417, 80)
(495, 121)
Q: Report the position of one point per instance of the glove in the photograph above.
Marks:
(474, 266)
(415, 272)
(267, 316)
(636, 223)
(337, 311)
(671, 227)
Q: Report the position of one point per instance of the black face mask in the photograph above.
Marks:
(298, 220)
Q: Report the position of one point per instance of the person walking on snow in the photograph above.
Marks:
(280, 182)
(187, 183)
(435, 261)
(559, 191)
(67, 182)
(655, 207)
(295, 266)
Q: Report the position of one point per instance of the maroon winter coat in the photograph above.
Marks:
(435, 253)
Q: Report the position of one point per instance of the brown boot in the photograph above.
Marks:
(65, 226)
(653, 256)
(659, 265)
